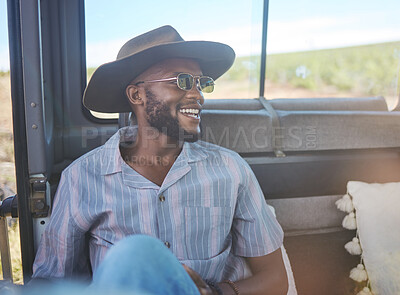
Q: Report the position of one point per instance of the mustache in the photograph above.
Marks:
(187, 103)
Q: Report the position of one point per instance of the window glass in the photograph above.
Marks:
(236, 23)
(5, 91)
(4, 58)
(333, 49)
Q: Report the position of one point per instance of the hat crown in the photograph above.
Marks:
(156, 37)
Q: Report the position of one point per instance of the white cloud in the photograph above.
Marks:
(310, 24)
(102, 52)
(313, 34)
(245, 40)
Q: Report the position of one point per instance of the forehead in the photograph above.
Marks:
(172, 66)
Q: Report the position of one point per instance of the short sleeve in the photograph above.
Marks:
(62, 251)
(255, 230)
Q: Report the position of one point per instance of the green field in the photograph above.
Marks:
(366, 70)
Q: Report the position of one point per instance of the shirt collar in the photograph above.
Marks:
(111, 156)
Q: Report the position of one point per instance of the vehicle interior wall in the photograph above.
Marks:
(326, 143)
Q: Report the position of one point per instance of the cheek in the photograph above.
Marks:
(167, 96)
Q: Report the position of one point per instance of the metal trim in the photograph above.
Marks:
(20, 141)
(264, 48)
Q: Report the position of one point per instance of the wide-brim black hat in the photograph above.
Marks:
(106, 89)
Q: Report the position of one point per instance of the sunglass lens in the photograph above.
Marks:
(206, 84)
(185, 81)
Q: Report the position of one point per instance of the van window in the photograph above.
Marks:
(333, 49)
(6, 153)
(236, 23)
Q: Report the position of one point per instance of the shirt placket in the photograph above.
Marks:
(164, 218)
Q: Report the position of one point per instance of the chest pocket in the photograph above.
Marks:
(206, 231)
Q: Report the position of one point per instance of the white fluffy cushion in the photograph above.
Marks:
(378, 221)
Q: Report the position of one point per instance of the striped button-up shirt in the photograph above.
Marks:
(209, 210)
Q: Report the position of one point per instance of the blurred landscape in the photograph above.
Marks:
(370, 70)
(7, 177)
(7, 172)
(361, 71)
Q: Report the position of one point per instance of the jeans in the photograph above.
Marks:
(136, 265)
(145, 265)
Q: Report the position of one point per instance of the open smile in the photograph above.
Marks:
(191, 113)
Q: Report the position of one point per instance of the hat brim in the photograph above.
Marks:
(105, 91)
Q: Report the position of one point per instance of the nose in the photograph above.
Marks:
(196, 94)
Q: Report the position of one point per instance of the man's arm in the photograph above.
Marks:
(257, 236)
(269, 276)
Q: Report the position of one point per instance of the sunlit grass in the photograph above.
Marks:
(15, 252)
(6, 146)
(7, 173)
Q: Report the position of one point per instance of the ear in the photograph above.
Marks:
(132, 93)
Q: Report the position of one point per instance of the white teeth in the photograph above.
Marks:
(194, 113)
(189, 111)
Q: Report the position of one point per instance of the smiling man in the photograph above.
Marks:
(157, 179)
(168, 114)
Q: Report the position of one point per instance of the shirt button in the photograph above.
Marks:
(162, 198)
(167, 244)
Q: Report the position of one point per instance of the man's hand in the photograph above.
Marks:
(204, 289)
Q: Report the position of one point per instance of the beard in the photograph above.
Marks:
(158, 114)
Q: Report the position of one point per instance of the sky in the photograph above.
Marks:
(294, 25)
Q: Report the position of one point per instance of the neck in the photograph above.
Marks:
(151, 141)
(152, 146)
